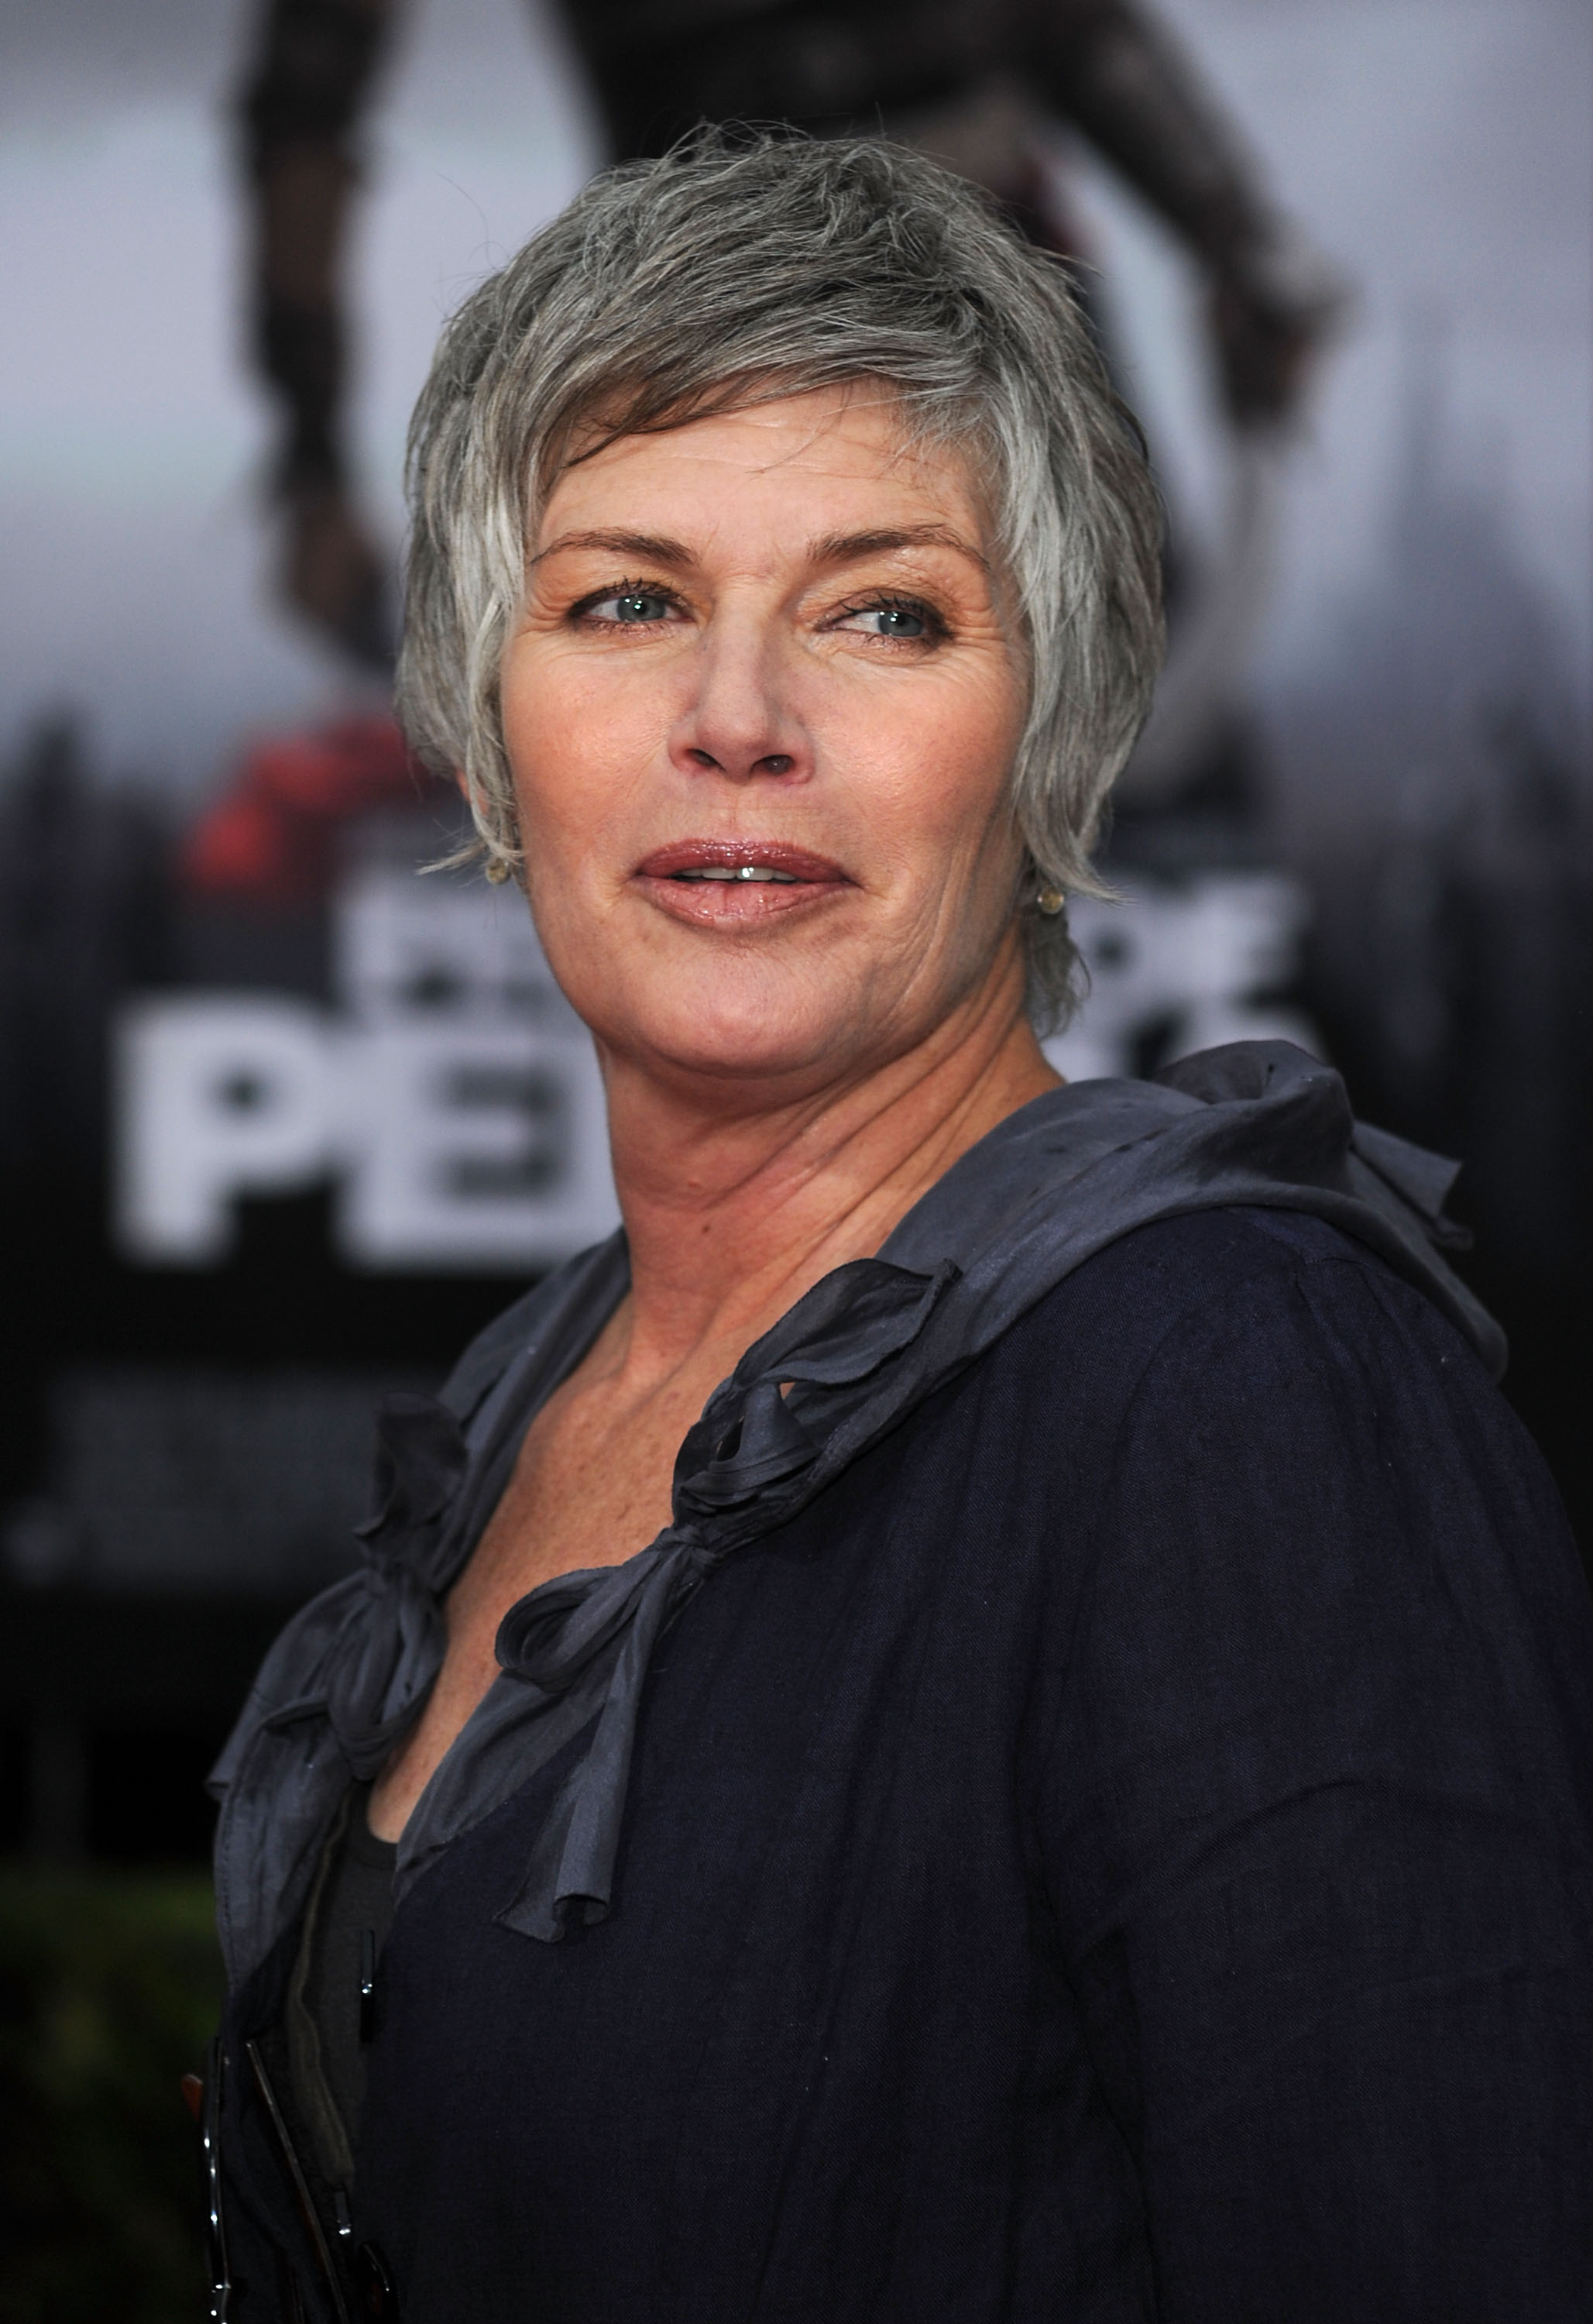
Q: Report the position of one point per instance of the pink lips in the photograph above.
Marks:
(687, 855)
(687, 878)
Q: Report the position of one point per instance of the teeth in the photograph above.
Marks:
(741, 872)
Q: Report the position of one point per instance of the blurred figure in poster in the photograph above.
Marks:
(982, 89)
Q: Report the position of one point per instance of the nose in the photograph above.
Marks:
(740, 721)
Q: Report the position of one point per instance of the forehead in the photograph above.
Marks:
(830, 449)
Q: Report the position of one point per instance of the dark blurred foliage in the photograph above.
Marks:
(109, 1988)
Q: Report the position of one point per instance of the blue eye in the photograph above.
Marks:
(638, 605)
(629, 605)
(909, 622)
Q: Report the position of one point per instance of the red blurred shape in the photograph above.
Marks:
(272, 839)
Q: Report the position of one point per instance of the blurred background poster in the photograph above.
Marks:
(282, 1121)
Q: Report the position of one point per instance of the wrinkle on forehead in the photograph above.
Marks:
(822, 431)
(607, 424)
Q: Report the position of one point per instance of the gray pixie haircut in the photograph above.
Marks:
(737, 269)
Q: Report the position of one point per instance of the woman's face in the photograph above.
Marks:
(760, 709)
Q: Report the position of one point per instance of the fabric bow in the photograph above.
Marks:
(746, 1465)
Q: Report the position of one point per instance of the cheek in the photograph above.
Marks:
(566, 737)
(942, 781)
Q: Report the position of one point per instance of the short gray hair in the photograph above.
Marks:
(740, 268)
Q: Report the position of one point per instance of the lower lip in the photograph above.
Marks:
(737, 903)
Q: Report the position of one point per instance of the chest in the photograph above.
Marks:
(822, 1899)
(591, 1486)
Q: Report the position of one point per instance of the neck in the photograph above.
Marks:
(732, 1216)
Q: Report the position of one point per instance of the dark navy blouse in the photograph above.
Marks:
(1122, 1850)
(1127, 1855)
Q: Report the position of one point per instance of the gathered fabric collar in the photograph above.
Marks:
(1254, 1124)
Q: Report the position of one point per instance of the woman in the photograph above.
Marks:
(984, 1715)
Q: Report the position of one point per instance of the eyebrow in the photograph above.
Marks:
(847, 548)
(831, 548)
(647, 548)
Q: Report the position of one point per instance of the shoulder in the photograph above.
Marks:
(1241, 1375)
(1244, 1288)
(1274, 1437)
(1313, 1547)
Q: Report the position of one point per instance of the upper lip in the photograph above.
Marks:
(762, 854)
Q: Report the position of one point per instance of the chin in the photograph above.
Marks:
(739, 1034)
